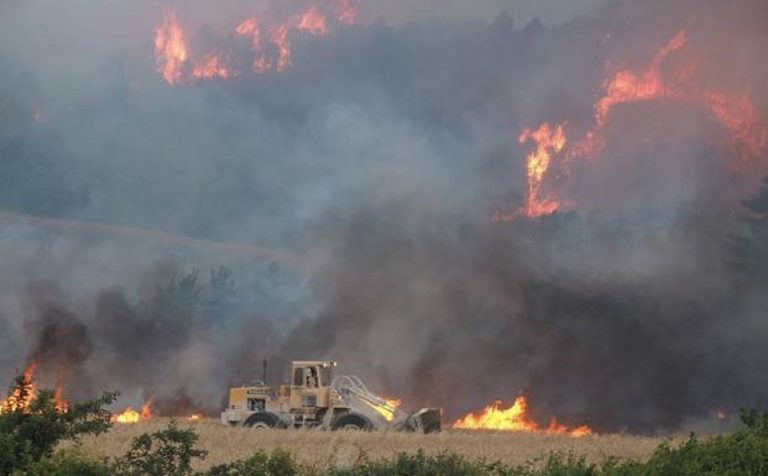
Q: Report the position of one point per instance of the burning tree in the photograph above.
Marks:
(32, 423)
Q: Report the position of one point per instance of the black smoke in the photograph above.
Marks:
(345, 209)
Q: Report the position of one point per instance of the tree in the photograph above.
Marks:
(31, 433)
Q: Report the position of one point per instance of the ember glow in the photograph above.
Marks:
(514, 418)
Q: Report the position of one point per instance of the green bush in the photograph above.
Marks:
(67, 463)
(30, 434)
(420, 464)
(279, 463)
(28, 439)
(166, 453)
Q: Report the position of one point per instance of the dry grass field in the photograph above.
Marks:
(343, 449)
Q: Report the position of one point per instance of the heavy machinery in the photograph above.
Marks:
(315, 399)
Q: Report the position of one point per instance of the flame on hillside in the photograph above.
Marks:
(170, 49)
(670, 77)
(514, 418)
(270, 42)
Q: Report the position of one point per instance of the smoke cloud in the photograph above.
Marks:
(163, 240)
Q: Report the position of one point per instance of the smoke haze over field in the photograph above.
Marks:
(347, 206)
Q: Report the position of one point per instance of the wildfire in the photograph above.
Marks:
(270, 42)
(170, 49)
(736, 112)
(130, 416)
(626, 86)
(280, 39)
(22, 397)
(549, 142)
(514, 418)
(664, 80)
(195, 418)
(61, 405)
(313, 21)
(251, 28)
(210, 67)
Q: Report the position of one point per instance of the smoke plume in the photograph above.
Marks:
(189, 189)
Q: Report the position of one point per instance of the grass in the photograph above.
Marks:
(321, 449)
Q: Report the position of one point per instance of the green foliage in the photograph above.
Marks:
(279, 463)
(67, 463)
(169, 452)
(29, 435)
(420, 464)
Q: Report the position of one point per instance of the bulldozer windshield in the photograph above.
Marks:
(326, 376)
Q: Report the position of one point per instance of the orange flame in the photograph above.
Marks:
(130, 416)
(210, 67)
(21, 397)
(61, 405)
(736, 113)
(313, 21)
(659, 82)
(549, 142)
(625, 86)
(170, 49)
(172, 53)
(514, 418)
(280, 39)
(195, 417)
(250, 28)
(393, 402)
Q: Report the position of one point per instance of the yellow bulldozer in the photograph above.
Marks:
(316, 399)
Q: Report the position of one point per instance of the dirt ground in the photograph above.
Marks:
(343, 449)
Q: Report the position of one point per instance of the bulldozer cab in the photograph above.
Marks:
(311, 384)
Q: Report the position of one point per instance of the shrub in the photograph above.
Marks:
(30, 434)
(279, 463)
(67, 463)
(166, 453)
(420, 464)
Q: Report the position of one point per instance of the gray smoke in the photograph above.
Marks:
(342, 209)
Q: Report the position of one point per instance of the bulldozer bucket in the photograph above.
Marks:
(426, 420)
